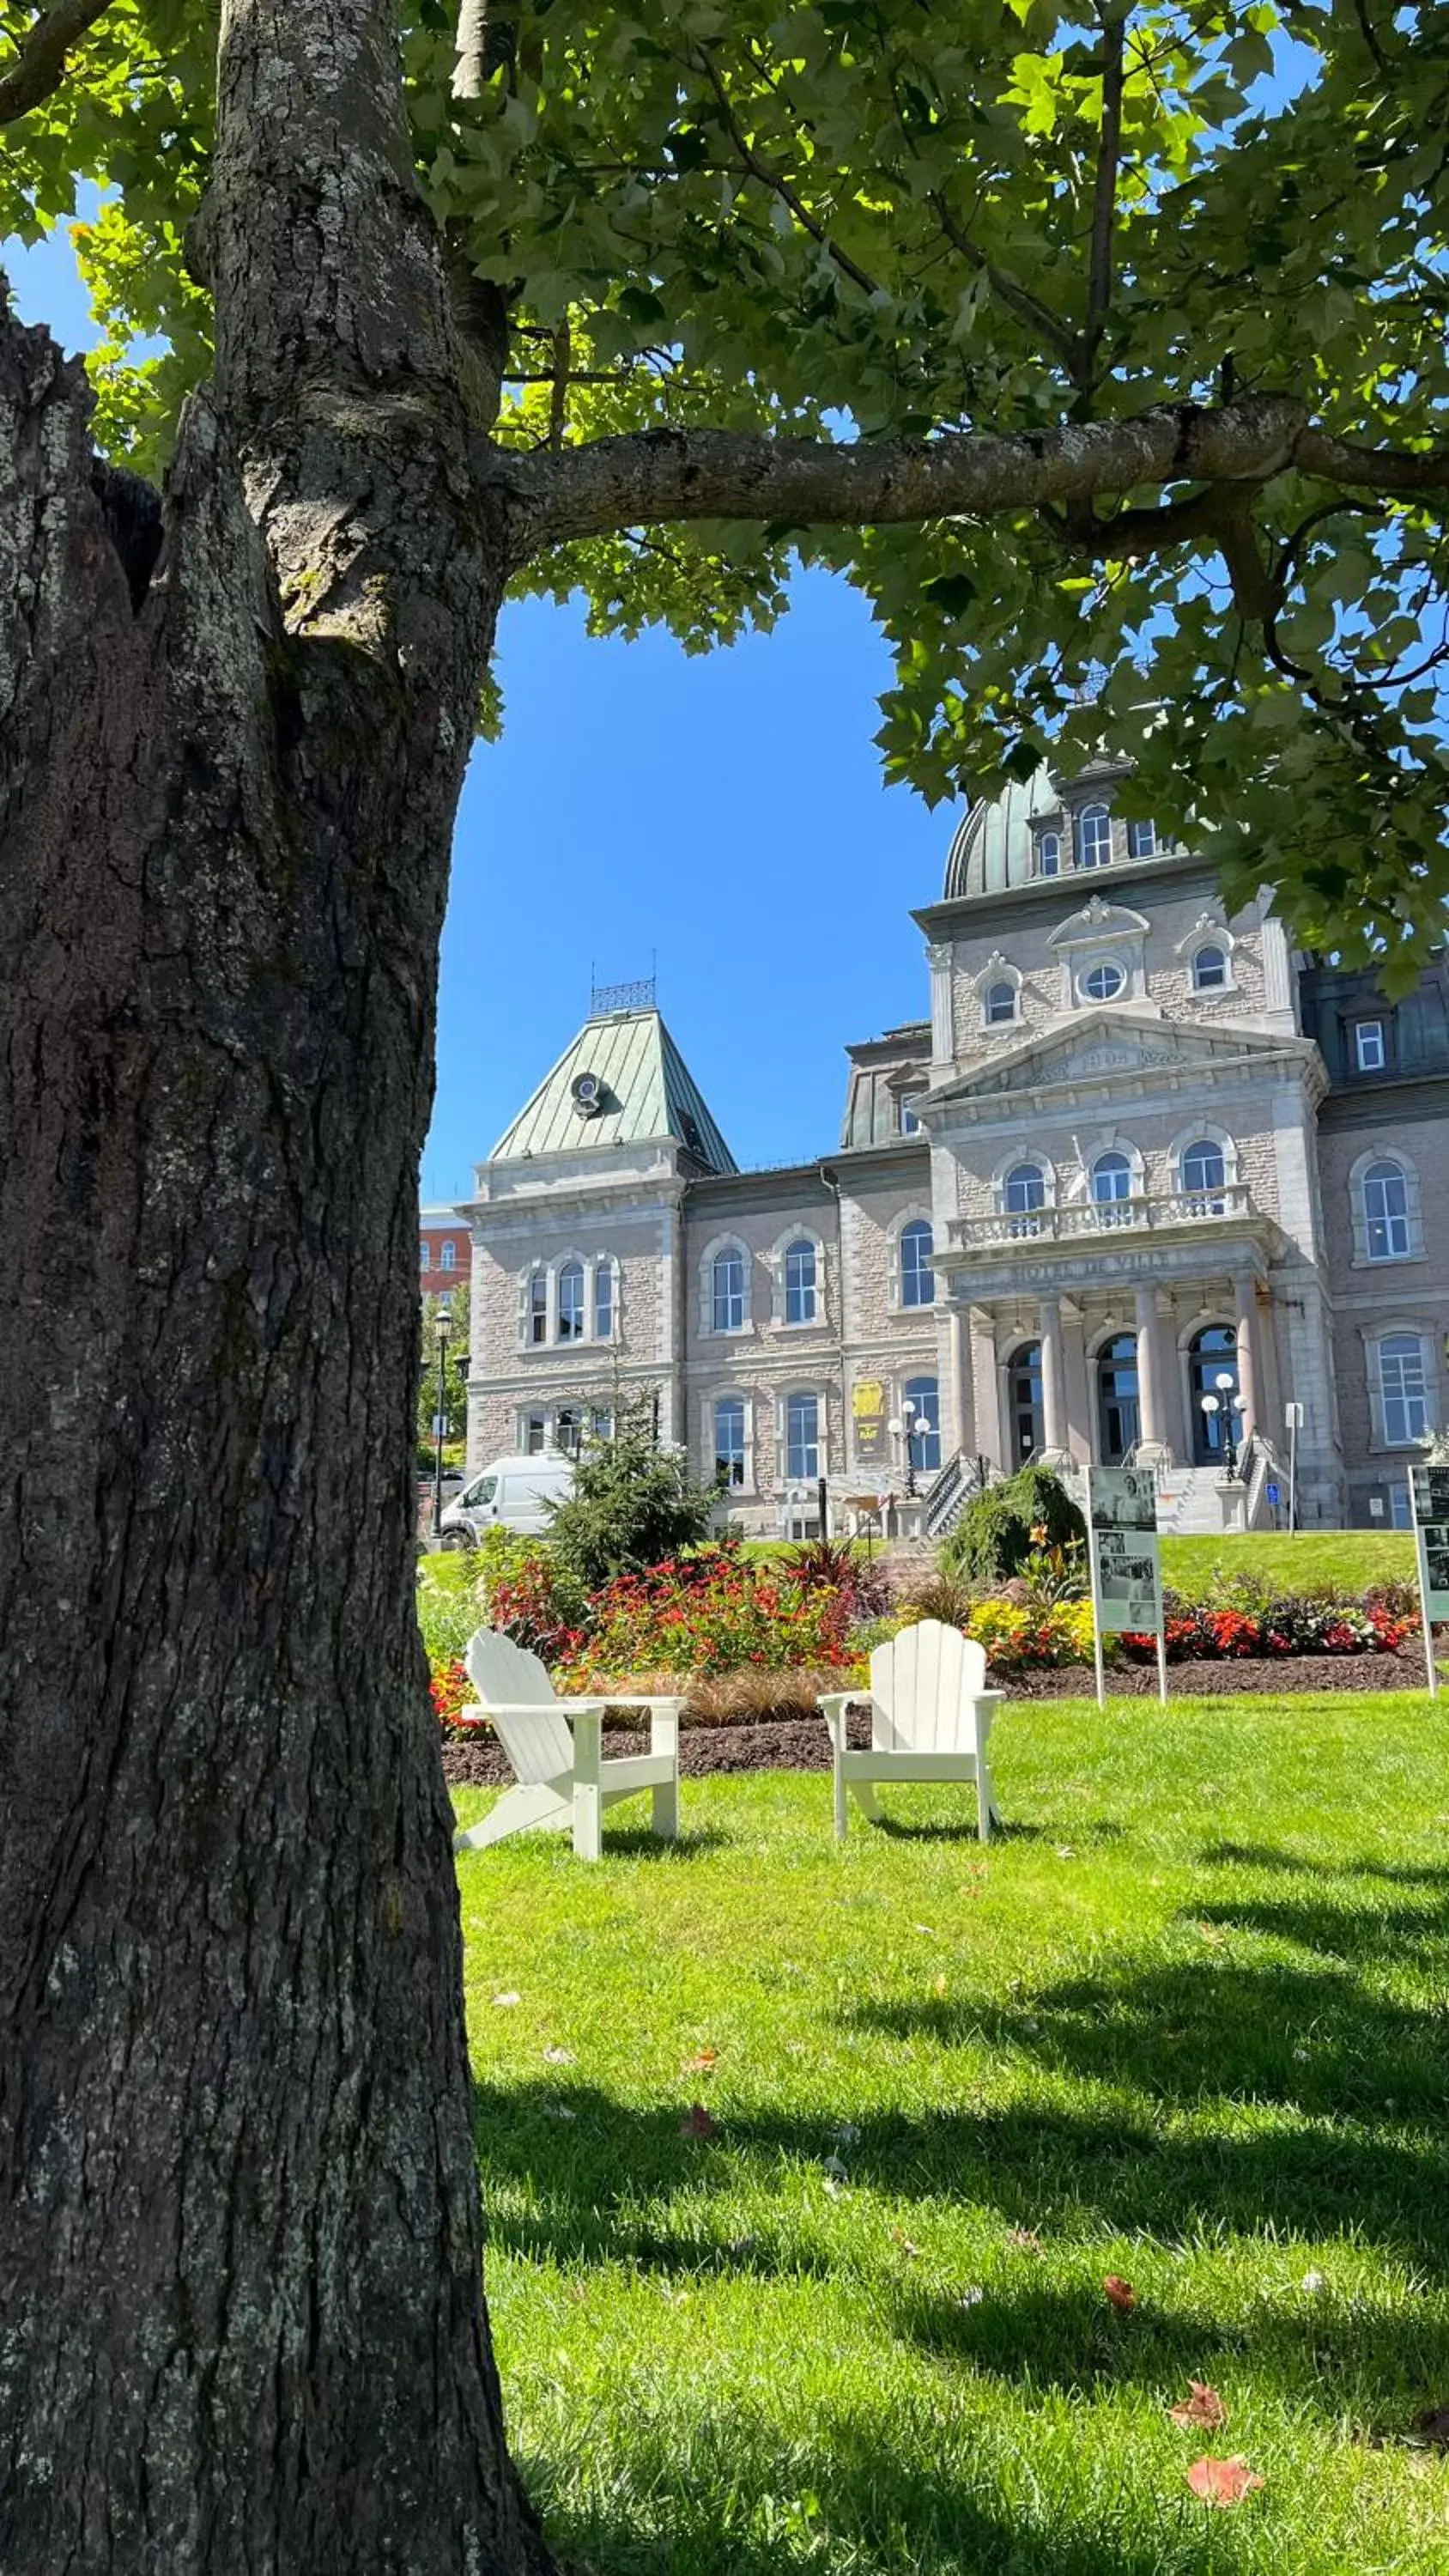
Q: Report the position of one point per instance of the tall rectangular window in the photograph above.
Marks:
(1369, 1045)
(918, 1281)
(1141, 840)
(1404, 1389)
(538, 1307)
(535, 1434)
(1094, 837)
(727, 1286)
(604, 1301)
(800, 1284)
(729, 1439)
(571, 1302)
(802, 1436)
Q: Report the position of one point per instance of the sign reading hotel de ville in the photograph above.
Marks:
(868, 1418)
(1126, 1550)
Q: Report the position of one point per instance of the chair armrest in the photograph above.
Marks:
(534, 1707)
(644, 1699)
(833, 1706)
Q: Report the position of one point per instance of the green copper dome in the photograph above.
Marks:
(995, 846)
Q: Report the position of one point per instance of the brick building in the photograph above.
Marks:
(1139, 1155)
(445, 1250)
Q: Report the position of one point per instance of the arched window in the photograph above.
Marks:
(727, 1290)
(1094, 836)
(1119, 1400)
(425, 1258)
(1386, 1212)
(538, 1307)
(923, 1436)
(729, 1440)
(1001, 1004)
(1111, 1178)
(1023, 1196)
(1213, 1372)
(1204, 1176)
(918, 1284)
(1049, 854)
(1141, 840)
(800, 1283)
(802, 1437)
(1103, 980)
(604, 1301)
(571, 1302)
(450, 1256)
(1209, 970)
(1024, 1396)
(1403, 1389)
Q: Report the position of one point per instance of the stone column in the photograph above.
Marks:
(1246, 1291)
(985, 1381)
(1053, 1378)
(1149, 1372)
(959, 1428)
(1081, 1395)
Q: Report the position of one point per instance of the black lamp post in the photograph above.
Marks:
(444, 1326)
(1231, 1401)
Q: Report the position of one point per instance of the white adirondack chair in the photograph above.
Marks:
(930, 1716)
(555, 1748)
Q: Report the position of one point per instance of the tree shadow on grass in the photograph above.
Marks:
(1266, 1856)
(1377, 2367)
(871, 2493)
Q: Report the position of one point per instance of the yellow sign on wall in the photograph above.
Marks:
(868, 1417)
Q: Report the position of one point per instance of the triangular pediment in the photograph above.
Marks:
(1112, 1046)
(1098, 919)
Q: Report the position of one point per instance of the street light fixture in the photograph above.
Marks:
(1227, 1387)
(911, 1424)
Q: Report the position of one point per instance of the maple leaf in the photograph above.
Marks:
(1222, 2482)
(1120, 2292)
(1202, 2408)
(698, 2123)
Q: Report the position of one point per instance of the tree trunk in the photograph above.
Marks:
(241, 2318)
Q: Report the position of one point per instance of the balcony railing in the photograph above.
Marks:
(1081, 1217)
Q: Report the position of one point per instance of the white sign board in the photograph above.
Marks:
(1430, 1489)
(1126, 1561)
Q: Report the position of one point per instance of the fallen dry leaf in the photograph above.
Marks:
(697, 2122)
(703, 2062)
(1222, 2481)
(1213, 1932)
(505, 2001)
(938, 1985)
(560, 2057)
(1433, 2426)
(1120, 2292)
(1025, 2239)
(1203, 2409)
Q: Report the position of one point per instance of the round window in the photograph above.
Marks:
(1103, 981)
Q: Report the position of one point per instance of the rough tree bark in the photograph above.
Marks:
(241, 2321)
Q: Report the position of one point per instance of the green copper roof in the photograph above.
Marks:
(644, 1091)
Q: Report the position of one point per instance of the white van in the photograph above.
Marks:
(512, 1492)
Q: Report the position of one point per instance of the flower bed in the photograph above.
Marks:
(746, 1640)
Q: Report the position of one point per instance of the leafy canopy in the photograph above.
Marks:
(872, 219)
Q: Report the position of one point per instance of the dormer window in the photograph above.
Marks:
(910, 1123)
(1049, 854)
(1103, 981)
(1369, 1049)
(1142, 840)
(1094, 837)
(1000, 1004)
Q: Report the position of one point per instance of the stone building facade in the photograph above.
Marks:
(1144, 1179)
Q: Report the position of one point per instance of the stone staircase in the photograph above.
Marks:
(1190, 1502)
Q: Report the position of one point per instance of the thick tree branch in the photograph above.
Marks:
(663, 474)
(469, 74)
(39, 67)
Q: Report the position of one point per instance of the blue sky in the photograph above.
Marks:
(726, 813)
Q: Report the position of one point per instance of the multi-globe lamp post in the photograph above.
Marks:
(909, 1426)
(1227, 1402)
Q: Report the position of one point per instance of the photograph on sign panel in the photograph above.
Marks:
(1124, 1498)
(1126, 1582)
(1436, 1557)
(1431, 1495)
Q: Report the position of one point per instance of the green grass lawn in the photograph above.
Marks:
(1186, 2023)
(1347, 1560)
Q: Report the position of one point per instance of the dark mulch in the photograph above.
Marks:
(801, 1743)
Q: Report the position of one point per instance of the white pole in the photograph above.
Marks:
(1161, 1649)
(1294, 1411)
(1096, 1582)
(1421, 1552)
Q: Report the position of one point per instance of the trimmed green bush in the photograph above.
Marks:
(993, 1537)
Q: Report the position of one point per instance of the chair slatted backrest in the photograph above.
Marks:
(539, 1747)
(922, 1683)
